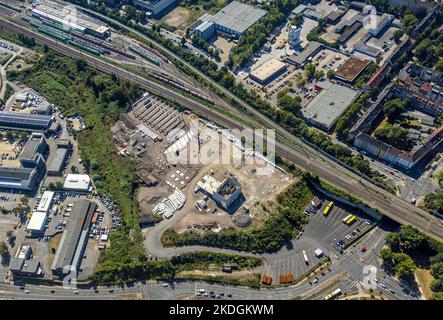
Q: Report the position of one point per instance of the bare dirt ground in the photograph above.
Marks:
(177, 18)
(18, 65)
(225, 46)
(424, 279)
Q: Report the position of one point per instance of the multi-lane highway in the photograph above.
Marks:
(293, 149)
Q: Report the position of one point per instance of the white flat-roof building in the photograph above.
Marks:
(77, 182)
(46, 201)
(268, 71)
(37, 222)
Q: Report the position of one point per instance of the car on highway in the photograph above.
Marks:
(76, 292)
(165, 285)
(27, 291)
(382, 285)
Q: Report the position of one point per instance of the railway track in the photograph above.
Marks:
(289, 146)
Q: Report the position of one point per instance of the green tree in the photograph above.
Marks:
(393, 108)
(3, 248)
(398, 34)
(395, 136)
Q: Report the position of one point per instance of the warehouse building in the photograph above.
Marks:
(30, 166)
(154, 8)
(37, 223)
(77, 182)
(18, 178)
(205, 29)
(24, 121)
(55, 167)
(237, 17)
(268, 71)
(303, 57)
(351, 69)
(327, 107)
(72, 244)
(26, 268)
(233, 20)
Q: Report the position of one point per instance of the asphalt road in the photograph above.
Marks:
(299, 153)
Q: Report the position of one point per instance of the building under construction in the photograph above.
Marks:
(157, 116)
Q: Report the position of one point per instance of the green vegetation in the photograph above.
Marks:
(142, 269)
(398, 34)
(440, 179)
(395, 136)
(99, 99)
(202, 44)
(3, 248)
(366, 75)
(346, 121)
(287, 102)
(429, 51)
(408, 248)
(434, 201)
(202, 260)
(393, 108)
(409, 22)
(277, 230)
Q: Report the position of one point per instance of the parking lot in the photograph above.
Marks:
(333, 230)
(322, 232)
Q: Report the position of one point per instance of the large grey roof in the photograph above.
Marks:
(80, 219)
(58, 160)
(15, 173)
(16, 119)
(302, 56)
(329, 104)
(238, 16)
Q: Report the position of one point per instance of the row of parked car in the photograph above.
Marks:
(113, 209)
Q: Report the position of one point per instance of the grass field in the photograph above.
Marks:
(424, 278)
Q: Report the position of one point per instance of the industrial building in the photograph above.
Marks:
(30, 166)
(351, 69)
(205, 29)
(36, 225)
(72, 244)
(23, 267)
(224, 193)
(233, 20)
(303, 57)
(57, 163)
(72, 20)
(23, 121)
(154, 8)
(327, 107)
(77, 182)
(268, 71)
(382, 22)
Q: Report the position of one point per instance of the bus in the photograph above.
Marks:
(347, 218)
(328, 207)
(305, 257)
(351, 220)
(333, 294)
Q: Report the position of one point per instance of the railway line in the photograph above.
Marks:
(293, 149)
